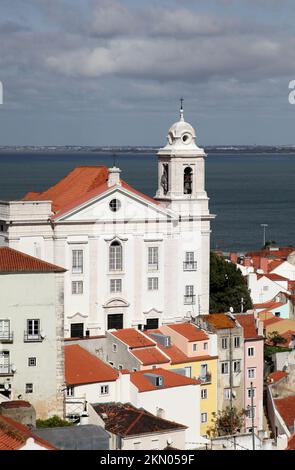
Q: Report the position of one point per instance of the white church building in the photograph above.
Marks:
(131, 260)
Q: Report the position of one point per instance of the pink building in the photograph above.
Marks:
(253, 369)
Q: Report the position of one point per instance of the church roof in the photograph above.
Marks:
(77, 187)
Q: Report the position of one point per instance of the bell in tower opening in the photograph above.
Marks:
(164, 178)
(187, 180)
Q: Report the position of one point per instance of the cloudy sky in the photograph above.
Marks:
(111, 72)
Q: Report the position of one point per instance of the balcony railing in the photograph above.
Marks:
(6, 369)
(206, 378)
(32, 338)
(189, 299)
(190, 265)
(6, 337)
(153, 266)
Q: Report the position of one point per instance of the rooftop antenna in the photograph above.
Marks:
(181, 109)
(114, 160)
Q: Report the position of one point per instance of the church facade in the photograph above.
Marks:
(131, 260)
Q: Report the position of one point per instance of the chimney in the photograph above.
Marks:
(84, 418)
(233, 257)
(264, 264)
(114, 176)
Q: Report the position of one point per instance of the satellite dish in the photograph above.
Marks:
(43, 335)
(6, 386)
(231, 310)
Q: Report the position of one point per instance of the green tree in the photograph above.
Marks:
(53, 422)
(227, 421)
(275, 338)
(227, 286)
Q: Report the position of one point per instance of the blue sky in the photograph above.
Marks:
(111, 72)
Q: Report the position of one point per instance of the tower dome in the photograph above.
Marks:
(180, 128)
(181, 137)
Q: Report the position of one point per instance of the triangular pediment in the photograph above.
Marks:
(132, 207)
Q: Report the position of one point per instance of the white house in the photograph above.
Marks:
(264, 287)
(31, 332)
(132, 260)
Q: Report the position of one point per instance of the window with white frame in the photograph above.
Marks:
(189, 297)
(195, 347)
(251, 373)
(237, 366)
(225, 367)
(251, 352)
(153, 283)
(237, 341)
(204, 417)
(204, 393)
(115, 256)
(227, 393)
(153, 257)
(70, 391)
(115, 285)
(250, 412)
(4, 329)
(251, 392)
(224, 342)
(205, 346)
(104, 389)
(77, 261)
(77, 287)
(33, 329)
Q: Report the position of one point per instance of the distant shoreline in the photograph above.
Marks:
(230, 149)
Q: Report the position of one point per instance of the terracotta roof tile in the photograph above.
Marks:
(220, 320)
(273, 277)
(150, 356)
(13, 435)
(13, 261)
(170, 378)
(133, 338)
(276, 376)
(81, 367)
(247, 321)
(269, 305)
(286, 408)
(271, 321)
(126, 420)
(80, 185)
(189, 331)
(291, 443)
(274, 264)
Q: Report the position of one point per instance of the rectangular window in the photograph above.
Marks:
(153, 257)
(104, 389)
(115, 285)
(70, 391)
(205, 346)
(4, 362)
(195, 347)
(251, 392)
(29, 388)
(115, 348)
(224, 342)
(4, 329)
(237, 341)
(189, 297)
(251, 352)
(227, 393)
(204, 393)
(237, 366)
(190, 264)
(32, 361)
(115, 257)
(153, 283)
(33, 330)
(77, 330)
(204, 417)
(250, 412)
(77, 261)
(224, 367)
(251, 373)
(77, 287)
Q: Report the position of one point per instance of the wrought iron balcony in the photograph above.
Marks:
(6, 337)
(206, 378)
(6, 369)
(190, 265)
(32, 338)
(189, 299)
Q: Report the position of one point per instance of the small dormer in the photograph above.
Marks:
(156, 379)
(164, 340)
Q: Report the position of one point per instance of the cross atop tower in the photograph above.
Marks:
(181, 109)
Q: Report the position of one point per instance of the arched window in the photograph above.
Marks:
(115, 256)
(188, 180)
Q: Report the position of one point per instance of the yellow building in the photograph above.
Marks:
(194, 350)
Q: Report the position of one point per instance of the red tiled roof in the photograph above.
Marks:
(272, 276)
(282, 252)
(126, 420)
(286, 408)
(81, 367)
(247, 321)
(269, 305)
(274, 264)
(133, 338)
(171, 379)
(13, 435)
(276, 376)
(271, 321)
(150, 356)
(189, 331)
(220, 320)
(15, 404)
(80, 185)
(288, 335)
(13, 261)
(291, 443)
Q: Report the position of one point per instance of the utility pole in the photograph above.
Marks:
(252, 415)
(264, 227)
